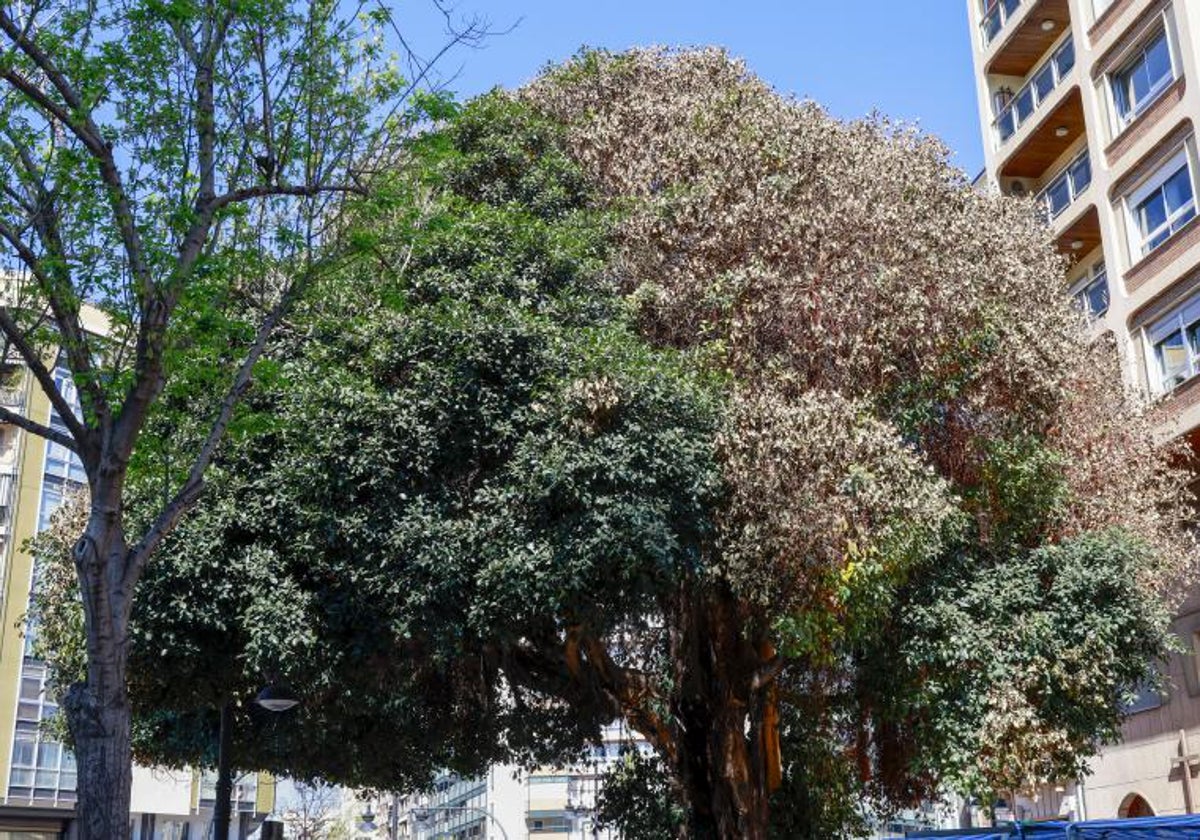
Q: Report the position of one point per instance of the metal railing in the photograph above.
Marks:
(1017, 111)
(1066, 186)
(12, 397)
(996, 14)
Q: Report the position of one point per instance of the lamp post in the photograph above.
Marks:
(273, 698)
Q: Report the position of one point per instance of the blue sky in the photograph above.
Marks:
(910, 59)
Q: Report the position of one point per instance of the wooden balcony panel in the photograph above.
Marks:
(1085, 229)
(1044, 146)
(1014, 53)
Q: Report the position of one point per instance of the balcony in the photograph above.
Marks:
(1044, 140)
(1016, 33)
(1066, 187)
(996, 17)
(1081, 236)
(1029, 99)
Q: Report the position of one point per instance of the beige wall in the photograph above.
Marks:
(1140, 289)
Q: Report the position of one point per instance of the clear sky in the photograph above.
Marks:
(910, 59)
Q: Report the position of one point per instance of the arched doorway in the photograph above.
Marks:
(1133, 806)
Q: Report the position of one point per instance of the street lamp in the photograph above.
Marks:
(273, 698)
(367, 823)
(277, 698)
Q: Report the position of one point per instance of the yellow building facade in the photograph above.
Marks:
(37, 774)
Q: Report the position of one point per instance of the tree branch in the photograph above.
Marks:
(193, 486)
(45, 379)
(21, 421)
(267, 190)
(78, 118)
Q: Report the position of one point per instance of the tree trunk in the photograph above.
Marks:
(97, 709)
(224, 793)
(100, 726)
(718, 720)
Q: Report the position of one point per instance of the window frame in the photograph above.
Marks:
(1096, 274)
(1179, 319)
(1134, 199)
(1127, 64)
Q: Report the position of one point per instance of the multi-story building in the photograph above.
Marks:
(1090, 107)
(37, 774)
(508, 803)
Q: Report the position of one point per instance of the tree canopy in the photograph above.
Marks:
(655, 394)
(167, 167)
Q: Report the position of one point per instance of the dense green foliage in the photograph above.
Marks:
(426, 484)
(637, 801)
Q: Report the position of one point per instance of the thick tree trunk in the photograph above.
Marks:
(101, 729)
(719, 717)
(97, 709)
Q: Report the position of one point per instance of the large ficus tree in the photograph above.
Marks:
(674, 400)
(168, 162)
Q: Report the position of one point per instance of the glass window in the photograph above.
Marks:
(1065, 59)
(1024, 104)
(1165, 208)
(1080, 173)
(1172, 359)
(1175, 344)
(1043, 82)
(1058, 196)
(1138, 83)
(1097, 296)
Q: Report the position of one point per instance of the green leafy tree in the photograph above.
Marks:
(168, 163)
(674, 400)
(636, 799)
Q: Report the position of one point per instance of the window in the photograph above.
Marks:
(1142, 79)
(1062, 191)
(549, 824)
(1162, 205)
(1015, 111)
(1175, 346)
(1142, 697)
(995, 14)
(1092, 297)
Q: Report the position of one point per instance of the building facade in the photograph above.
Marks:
(37, 774)
(1090, 108)
(508, 803)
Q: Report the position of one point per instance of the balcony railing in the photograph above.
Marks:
(1065, 187)
(995, 15)
(12, 397)
(1041, 84)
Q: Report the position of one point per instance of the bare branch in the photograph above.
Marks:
(45, 380)
(266, 190)
(20, 420)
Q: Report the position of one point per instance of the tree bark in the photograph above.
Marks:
(97, 709)
(721, 721)
(101, 730)
(224, 793)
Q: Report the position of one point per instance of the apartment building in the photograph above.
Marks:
(507, 802)
(1090, 107)
(37, 774)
